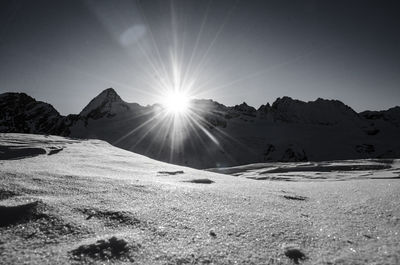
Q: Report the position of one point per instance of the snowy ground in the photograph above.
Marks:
(68, 201)
(314, 171)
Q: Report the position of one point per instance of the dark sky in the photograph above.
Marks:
(66, 52)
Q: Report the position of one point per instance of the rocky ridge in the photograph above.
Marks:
(215, 135)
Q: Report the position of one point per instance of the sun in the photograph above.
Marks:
(176, 103)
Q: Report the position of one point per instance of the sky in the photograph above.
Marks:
(66, 52)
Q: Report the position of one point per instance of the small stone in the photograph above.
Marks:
(212, 233)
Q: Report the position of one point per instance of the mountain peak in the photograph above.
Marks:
(244, 108)
(284, 102)
(109, 94)
(107, 102)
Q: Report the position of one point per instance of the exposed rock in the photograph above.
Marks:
(293, 154)
(391, 115)
(107, 104)
(365, 148)
(21, 113)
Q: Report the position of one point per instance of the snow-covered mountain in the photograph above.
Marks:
(214, 135)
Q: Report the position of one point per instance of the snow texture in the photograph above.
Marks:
(93, 203)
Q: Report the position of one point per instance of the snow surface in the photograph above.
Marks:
(94, 203)
(314, 171)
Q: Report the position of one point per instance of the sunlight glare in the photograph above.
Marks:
(177, 103)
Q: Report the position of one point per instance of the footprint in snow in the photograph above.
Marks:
(295, 197)
(55, 151)
(6, 194)
(106, 250)
(12, 215)
(171, 172)
(200, 181)
(294, 253)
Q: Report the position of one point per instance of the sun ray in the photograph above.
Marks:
(163, 134)
(137, 128)
(154, 43)
(160, 76)
(196, 45)
(266, 69)
(202, 61)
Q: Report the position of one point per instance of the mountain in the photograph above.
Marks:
(214, 135)
(391, 115)
(320, 112)
(22, 113)
(107, 104)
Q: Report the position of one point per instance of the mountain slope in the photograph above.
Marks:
(214, 135)
(108, 103)
(21, 113)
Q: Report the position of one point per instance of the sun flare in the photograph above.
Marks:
(177, 103)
